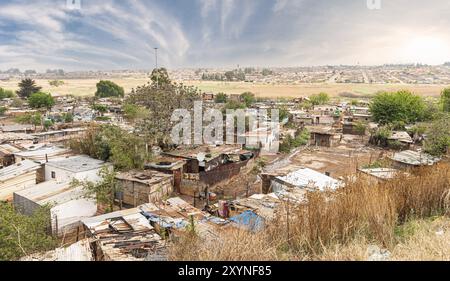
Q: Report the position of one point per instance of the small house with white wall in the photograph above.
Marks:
(68, 204)
(82, 168)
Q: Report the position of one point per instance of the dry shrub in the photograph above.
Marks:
(330, 222)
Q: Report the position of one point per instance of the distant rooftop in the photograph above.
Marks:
(415, 158)
(381, 173)
(307, 178)
(77, 164)
(18, 169)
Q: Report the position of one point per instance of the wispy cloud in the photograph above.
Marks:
(122, 33)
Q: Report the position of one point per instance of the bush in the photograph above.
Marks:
(22, 235)
(106, 89)
(221, 98)
(400, 106)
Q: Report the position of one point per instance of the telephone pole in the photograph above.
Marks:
(156, 58)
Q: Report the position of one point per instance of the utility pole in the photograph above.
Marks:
(156, 58)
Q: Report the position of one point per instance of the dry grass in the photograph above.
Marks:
(336, 226)
(87, 87)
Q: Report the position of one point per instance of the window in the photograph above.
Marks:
(53, 175)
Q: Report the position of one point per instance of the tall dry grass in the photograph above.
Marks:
(361, 211)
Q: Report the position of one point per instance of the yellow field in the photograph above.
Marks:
(87, 87)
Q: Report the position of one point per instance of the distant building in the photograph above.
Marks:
(323, 137)
(411, 159)
(377, 175)
(306, 179)
(41, 154)
(25, 129)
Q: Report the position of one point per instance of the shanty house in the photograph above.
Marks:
(411, 159)
(324, 138)
(41, 154)
(25, 129)
(17, 177)
(124, 236)
(7, 154)
(403, 138)
(138, 188)
(68, 204)
(77, 167)
(306, 179)
(377, 175)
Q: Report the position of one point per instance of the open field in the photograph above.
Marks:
(86, 87)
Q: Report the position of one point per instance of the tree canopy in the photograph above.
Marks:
(27, 87)
(6, 94)
(248, 98)
(110, 143)
(319, 99)
(106, 89)
(22, 235)
(161, 98)
(401, 106)
(445, 100)
(41, 100)
(221, 98)
(438, 136)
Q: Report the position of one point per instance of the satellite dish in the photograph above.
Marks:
(201, 157)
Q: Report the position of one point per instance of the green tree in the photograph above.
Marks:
(56, 83)
(6, 94)
(438, 136)
(319, 99)
(41, 101)
(34, 119)
(67, 117)
(47, 124)
(17, 102)
(22, 235)
(248, 98)
(102, 191)
(445, 100)
(221, 98)
(233, 105)
(161, 98)
(27, 87)
(106, 89)
(133, 112)
(401, 106)
(110, 143)
(160, 77)
(2, 110)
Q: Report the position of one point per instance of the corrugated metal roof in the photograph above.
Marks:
(76, 164)
(307, 178)
(80, 251)
(381, 173)
(52, 192)
(415, 158)
(43, 153)
(401, 137)
(18, 169)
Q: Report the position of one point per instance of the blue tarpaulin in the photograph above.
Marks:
(249, 220)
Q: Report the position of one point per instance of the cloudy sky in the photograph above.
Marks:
(109, 34)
